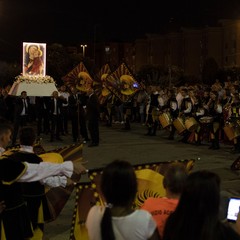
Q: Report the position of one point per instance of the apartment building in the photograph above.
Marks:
(188, 48)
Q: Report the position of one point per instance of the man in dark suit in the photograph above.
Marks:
(77, 105)
(43, 122)
(55, 105)
(93, 115)
(3, 103)
(21, 108)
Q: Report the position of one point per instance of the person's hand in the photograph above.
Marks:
(237, 225)
(2, 206)
(78, 168)
(70, 182)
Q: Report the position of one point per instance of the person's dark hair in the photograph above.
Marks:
(184, 89)
(5, 127)
(27, 136)
(172, 92)
(119, 187)
(175, 178)
(196, 215)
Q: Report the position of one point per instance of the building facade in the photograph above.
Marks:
(189, 49)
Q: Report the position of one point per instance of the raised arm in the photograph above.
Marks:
(37, 172)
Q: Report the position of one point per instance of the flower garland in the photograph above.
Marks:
(34, 78)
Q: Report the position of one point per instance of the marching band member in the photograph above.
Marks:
(154, 105)
(206, 96)
(185, 111)
(234, 113)
(172, 107)
(198, 112)
(226, 101)
(214, 108)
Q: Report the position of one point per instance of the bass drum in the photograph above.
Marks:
(191, 124)
(179, 125)
(232, 130)
(165, 119)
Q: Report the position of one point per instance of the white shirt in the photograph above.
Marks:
(32, 99)
(219, 108)
(2, 150)
(66, 96)
(37, 172)
(51, 181)
(173, 105)
(55, 107)
(138, 225)
(179, 99)
(189, 106)
(43, 170)
(25, 105)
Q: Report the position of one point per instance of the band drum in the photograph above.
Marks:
(232, 130)
(179, 125)
(191, 124)
(165, 119)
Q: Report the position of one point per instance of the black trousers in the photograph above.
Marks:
(19, 121)
(55, 126)
(93, 128)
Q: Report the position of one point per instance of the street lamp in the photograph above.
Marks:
(83, 47)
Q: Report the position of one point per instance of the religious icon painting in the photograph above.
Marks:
(34, 59)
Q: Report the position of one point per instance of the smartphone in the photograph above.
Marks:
(135, 85)
(233, 209)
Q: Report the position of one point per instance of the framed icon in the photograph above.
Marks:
(34, 59)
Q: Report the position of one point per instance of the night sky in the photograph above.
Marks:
(74, 21)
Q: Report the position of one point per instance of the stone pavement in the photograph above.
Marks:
(138, 148)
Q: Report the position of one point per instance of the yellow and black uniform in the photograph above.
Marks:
(235, 121)
(34, 193)
(15, 220)
(153, 114)
(185, 110)
(27, 199)
(172, 107)
(198, 112)
(215, 110)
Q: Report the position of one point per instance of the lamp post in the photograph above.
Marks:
(107, 51)
(83, 47)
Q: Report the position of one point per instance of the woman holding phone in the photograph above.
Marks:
(197, 214)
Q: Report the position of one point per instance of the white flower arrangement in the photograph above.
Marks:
(34, 79)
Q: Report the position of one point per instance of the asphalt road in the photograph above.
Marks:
(136, 147)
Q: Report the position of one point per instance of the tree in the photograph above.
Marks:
(157, 75)
(8, 72)
(58, 62)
